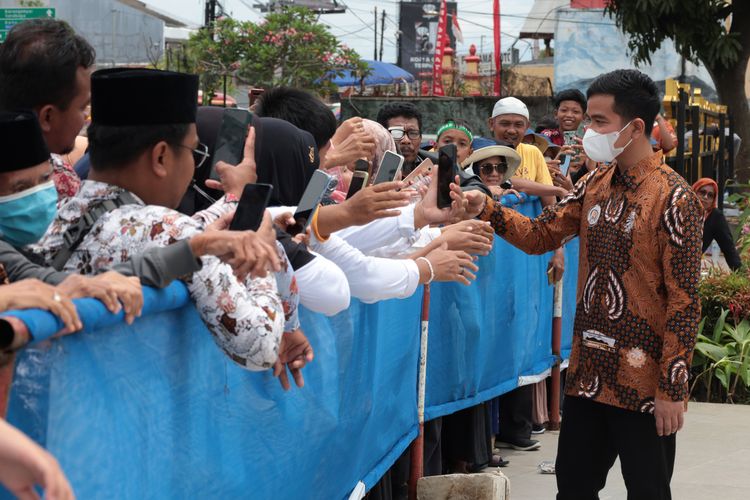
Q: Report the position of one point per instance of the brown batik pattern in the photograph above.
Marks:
(637, 306)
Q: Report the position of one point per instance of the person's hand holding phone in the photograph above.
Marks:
(427, 212)
(376, 202)
(233, 178)
(247, 252)
(350, 143)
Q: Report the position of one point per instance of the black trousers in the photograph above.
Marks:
(515, 414)
(593, 435)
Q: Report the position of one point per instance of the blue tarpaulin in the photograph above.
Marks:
(155, 410)
(380, 74)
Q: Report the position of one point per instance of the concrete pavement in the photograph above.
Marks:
(713, 460)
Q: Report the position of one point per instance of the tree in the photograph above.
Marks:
(713, 32)
(286, 48)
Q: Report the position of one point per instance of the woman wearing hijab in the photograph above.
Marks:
(277, 143)
(371, 279)
(715, 226)
(383, 142)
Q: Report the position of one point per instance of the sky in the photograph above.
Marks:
(355, 27)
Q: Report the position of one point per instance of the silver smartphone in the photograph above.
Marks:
(311, 198)
(390, 167)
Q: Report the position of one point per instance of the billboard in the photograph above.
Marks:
(418, 23)
(587, 44)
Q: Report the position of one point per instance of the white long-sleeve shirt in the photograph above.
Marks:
(370, 278)
(323, 286)
(387, 237)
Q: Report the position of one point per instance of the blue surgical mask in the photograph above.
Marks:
(25, 216)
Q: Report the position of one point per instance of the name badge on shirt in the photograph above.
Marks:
(597, 340)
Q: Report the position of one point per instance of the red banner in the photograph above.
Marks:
(498, 54)
(588, 4)
(440, 43)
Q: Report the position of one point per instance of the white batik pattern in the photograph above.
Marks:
(246, 319)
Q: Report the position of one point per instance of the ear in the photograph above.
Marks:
(46, 116)
(639, 127)
(490, 123)
(161, 156)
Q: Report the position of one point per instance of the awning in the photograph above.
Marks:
(381, 74)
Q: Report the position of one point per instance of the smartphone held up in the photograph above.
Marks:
(447, 171)
(308, 205)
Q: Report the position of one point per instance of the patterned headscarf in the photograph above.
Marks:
(383, 142)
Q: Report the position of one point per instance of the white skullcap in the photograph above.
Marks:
(510, 106)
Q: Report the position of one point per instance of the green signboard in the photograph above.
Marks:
(11, 17)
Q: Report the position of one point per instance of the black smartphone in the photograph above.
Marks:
(230, 142)
(390, 167)
(447, 172)
(252, 205)
(311, 198)
(359, 178)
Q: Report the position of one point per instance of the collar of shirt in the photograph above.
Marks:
(92, 191)
(633, 177)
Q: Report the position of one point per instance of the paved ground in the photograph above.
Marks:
(713, 460)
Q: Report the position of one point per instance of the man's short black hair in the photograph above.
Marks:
(394, 109)
(636, 95)
(300, 108)
(570, 95)
(111, 147)
(38, 64)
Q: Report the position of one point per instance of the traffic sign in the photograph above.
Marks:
(11, 17)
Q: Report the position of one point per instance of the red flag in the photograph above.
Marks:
(498, 58)
(457, 29)
(442, 39)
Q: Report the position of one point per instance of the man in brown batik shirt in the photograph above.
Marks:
(637, 307)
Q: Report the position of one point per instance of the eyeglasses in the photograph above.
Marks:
(200, 154)
(488, 168)
(705, 194)
(398, 134)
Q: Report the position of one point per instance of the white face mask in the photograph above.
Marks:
(601, 147)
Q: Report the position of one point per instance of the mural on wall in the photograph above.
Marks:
(587, 44)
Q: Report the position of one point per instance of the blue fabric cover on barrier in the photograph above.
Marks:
(156, 411)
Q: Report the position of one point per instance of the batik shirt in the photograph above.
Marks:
(637, 306)
(246, 318)
(66, 179)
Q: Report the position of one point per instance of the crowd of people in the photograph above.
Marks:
(136, 202)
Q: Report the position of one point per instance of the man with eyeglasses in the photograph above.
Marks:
(143, 158)
(404, 121)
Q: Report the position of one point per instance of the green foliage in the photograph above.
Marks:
(697, 28)
(287, 48)
(725, 291)
(742, 231)
(722, 361)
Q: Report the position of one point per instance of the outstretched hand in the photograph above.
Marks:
(233, 178)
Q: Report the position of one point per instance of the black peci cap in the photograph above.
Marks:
(135, 96)
(23, 144)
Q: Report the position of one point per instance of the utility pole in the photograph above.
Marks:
(375, 27)
(210, 17)
(382, 31)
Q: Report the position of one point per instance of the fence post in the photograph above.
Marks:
(721, 158)
(730, 145)
(681, 105)
(696, 149)
(554, 407)
(417, 447)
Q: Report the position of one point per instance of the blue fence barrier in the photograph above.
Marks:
(155, 410)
